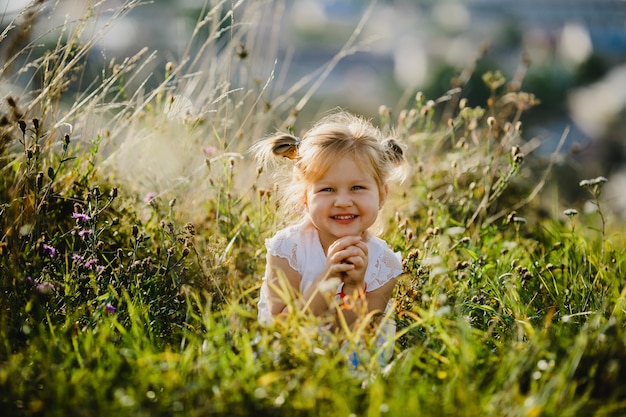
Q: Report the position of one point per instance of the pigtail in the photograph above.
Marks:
(274, 148)
(394, 152)
(285, 145)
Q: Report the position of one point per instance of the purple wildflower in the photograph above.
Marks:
(50, 250)
(209, 151)
(110, 308)
(76, 258)
(83, 233)
(81, 217)
(90, 264)
(45, 287)
(149, 197)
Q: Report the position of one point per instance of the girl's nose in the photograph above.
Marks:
(343, 200)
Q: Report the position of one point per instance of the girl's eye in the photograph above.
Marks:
(327, 189)
(358, 187)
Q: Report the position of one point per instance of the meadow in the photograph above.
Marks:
(132, 223)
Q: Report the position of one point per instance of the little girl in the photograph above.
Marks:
(337, 179)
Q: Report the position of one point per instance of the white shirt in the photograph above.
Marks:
(300, 245)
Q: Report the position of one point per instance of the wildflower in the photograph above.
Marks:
(84, 233)
(592, 182)
(109, 308)
(493, 79)
(45, 287)
(522, 100)
(81, 217)
(91, 264)
(209, 151)
(149, 197)
(50, 250)
(77, 258)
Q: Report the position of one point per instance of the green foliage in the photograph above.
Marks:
(118, 301)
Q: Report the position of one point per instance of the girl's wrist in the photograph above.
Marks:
(352, 290)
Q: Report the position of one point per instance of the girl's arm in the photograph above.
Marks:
(279, 292)
(376, 300)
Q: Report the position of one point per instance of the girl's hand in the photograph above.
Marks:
(356, 277)
(347, 260)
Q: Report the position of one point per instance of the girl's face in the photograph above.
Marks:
(344, 202)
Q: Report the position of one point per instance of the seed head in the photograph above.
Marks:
(402, 116)
(241, 51)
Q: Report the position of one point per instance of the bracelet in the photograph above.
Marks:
(342, 295)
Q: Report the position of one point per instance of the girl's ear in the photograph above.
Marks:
(384, 191)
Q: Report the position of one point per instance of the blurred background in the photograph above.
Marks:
(575, 52)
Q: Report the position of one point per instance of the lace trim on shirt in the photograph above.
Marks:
(284, 247)
(387, 267)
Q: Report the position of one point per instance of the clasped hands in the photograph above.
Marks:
(347, 259)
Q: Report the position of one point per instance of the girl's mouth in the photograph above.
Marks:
(345, 217)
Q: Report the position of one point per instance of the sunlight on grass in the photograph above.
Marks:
(131, 230)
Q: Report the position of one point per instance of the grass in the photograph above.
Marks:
(130, 275)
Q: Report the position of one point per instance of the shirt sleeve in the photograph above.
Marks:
(385, 266)
(284, 246)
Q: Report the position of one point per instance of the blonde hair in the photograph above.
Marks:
(332, 138)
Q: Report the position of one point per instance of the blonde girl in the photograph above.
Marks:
(336, 177)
